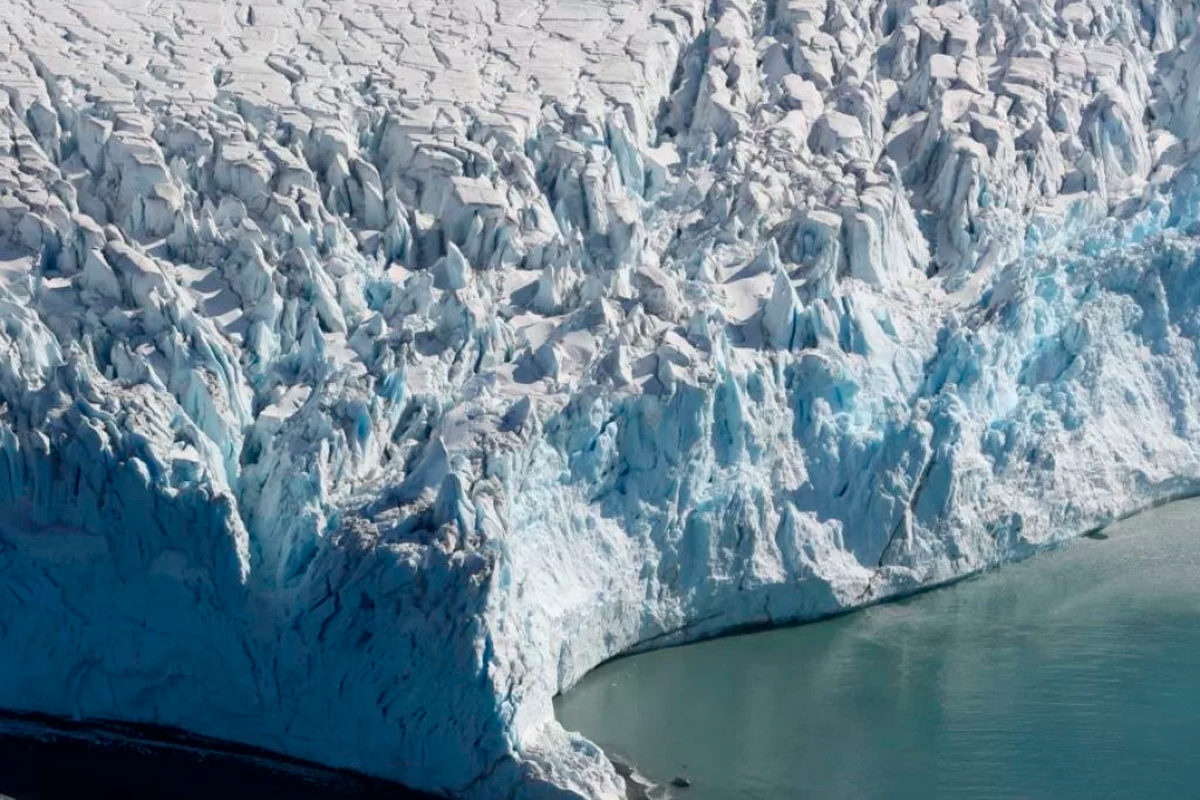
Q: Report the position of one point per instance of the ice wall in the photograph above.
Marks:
(369, 372)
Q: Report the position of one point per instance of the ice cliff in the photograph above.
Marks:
(371, 370)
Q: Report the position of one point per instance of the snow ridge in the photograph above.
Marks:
(370, 372)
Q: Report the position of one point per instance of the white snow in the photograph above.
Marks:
(369, 371)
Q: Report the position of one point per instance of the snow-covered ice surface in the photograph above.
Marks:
(371, 370)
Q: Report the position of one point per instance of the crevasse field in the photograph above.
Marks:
(369, 371)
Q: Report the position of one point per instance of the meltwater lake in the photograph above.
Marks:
(1075, 674)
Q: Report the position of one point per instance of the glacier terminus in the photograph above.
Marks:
(370, 370)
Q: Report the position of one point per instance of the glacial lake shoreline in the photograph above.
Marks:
(1192, 492)
(1095, 628)
(33, 746)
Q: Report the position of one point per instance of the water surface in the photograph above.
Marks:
(1075, 674)
(47, 759)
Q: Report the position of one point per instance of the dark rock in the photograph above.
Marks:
(681, 782)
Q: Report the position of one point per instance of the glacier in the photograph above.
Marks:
(369, 371)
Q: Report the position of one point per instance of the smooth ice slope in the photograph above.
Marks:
(370, 371)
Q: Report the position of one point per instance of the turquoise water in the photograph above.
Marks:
(1075, 674)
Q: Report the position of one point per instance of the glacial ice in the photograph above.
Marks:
(369, 371)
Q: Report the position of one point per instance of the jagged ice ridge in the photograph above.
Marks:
(370, 370)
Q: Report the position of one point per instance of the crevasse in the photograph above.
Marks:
(368, 373)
